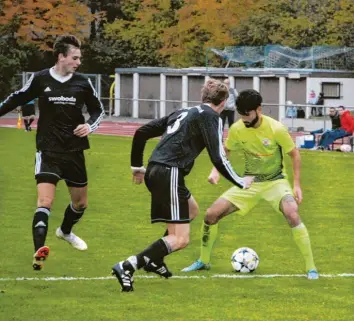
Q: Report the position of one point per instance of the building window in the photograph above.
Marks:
(331, 90)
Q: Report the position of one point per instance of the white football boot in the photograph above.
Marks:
(73, 239)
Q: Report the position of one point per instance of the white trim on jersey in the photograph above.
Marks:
(58, 77)
(225, 161)
(95, 125)
(23, 89)
(174, 194)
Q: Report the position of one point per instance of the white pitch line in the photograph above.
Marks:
(265, 276)
(220, 276)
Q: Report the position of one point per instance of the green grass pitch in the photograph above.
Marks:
(117, 224)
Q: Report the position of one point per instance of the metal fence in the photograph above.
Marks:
(151, 108)
(154, 108)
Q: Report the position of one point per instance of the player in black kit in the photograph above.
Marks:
(185, 133)
(61, 139)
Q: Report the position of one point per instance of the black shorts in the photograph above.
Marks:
(50, 167)
(169, 195)
(28, 110)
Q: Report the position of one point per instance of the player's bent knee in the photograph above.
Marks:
(80, 205)
(288, 205)
(212, 217)
(182, 242)
(293, 217)
(193, 208)
(45, 202)
(193, 212)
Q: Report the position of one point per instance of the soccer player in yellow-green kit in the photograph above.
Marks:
(264, 142)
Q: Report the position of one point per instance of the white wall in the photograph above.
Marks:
(347, 89)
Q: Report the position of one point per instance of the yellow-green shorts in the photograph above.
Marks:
(246, 199)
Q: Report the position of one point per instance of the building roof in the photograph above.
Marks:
(238, 72)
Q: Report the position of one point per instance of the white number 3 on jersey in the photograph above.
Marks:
(173, 128)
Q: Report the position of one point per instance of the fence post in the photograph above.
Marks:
(136, 95)
(117, 95)
(184, 91)
(282, 94)
(162, 95)
(98, 86)
(256, 84)
(156, 110)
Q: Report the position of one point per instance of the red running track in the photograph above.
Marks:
(106, 127)
(115, 128)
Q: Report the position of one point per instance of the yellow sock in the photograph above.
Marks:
(209, 234)
(302, 240)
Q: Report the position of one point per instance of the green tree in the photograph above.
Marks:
(142, 29)
(299, 23)
(340, 29)
(203, 24)
(28, 29)
(41, 21)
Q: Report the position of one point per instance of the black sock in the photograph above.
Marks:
(161, 261)
(26, 123)
(155, 253)
(30, 122)
(71, 217)
(40, 227)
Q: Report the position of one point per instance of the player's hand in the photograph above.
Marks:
(298, 193)
(247, 181)
(214, 176)
(138, 174)
(82, 130)
(138, 177)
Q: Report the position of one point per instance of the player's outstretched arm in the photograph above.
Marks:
(211, 129)
(152, 129)
(214, 175)
(20, 97)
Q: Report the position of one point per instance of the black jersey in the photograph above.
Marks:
(60, 109)
(185, 133)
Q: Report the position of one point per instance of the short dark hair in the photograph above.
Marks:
(214, 92)
(247, 100)
(64, 43)
(342, 107)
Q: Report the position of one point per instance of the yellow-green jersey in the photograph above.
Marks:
(264, 147)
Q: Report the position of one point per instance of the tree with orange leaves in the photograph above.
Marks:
(41, 21)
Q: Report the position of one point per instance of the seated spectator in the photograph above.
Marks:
(300, 113)
(291, 111)
(335, 119)
(346, 120)
(346, 127)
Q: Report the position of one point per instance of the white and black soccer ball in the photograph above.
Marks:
(244, 260)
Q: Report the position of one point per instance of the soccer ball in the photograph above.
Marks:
(244, 260)
(345, 148)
